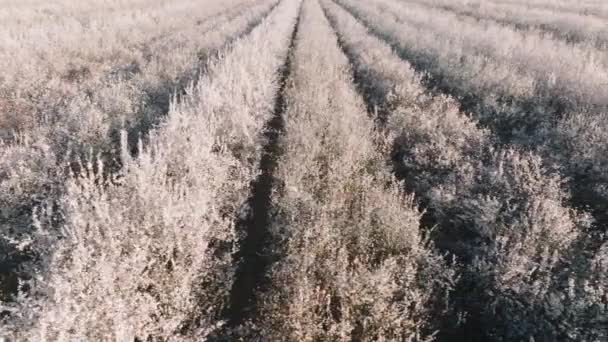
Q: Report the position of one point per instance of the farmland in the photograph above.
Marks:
(304, 170)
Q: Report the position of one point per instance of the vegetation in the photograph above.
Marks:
(304, 170)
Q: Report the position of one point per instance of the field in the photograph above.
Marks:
(304, 170)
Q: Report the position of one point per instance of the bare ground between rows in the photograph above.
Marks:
(255, 255)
